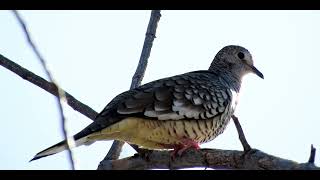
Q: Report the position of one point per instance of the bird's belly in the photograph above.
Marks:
(161, 134)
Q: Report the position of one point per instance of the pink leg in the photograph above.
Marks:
(185, 144)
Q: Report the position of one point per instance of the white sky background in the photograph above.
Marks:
(93, 55)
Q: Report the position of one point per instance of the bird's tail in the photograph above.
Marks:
(61, 146)
(83, 137)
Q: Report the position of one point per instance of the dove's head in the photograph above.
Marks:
(235, 61)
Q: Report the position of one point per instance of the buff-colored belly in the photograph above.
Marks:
(159, 134)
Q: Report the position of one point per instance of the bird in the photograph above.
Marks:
(178, 112)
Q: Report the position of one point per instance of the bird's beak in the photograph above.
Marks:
(256, 71)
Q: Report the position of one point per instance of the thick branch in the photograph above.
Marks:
(116, 147)
(210, 158)
(47, 86)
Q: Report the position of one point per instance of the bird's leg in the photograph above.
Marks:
(188, 144)
(185, 144)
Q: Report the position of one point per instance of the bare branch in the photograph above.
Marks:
(146, 50)
(212, 158)
(47, 86)
(312, 155)
(116, 147)
(245, 144)
(61, 96)
(114, 151)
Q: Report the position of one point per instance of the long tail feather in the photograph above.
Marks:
(61, 146)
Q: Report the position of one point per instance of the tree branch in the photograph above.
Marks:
(47, 86)
(146, 50)
(114, 151)
(116, 147)
(209, 158)
(245, 144)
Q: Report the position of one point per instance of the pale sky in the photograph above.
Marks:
(93, 55)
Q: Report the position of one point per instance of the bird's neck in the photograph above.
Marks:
(233, 81)
(228, 78)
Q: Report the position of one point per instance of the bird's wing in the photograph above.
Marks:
(192, 95)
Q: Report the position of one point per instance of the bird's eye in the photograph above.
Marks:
(240, 55)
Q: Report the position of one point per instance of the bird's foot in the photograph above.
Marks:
(183, 146)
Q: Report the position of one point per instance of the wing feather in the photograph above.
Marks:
(186, 96)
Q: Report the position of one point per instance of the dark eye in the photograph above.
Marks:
(240, 55)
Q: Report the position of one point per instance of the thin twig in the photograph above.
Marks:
(61, 94)
(146, 50)
(242, 138)
(312, 155)
(116, 147)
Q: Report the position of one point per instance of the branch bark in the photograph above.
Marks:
(116, 147)
(208, 158)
